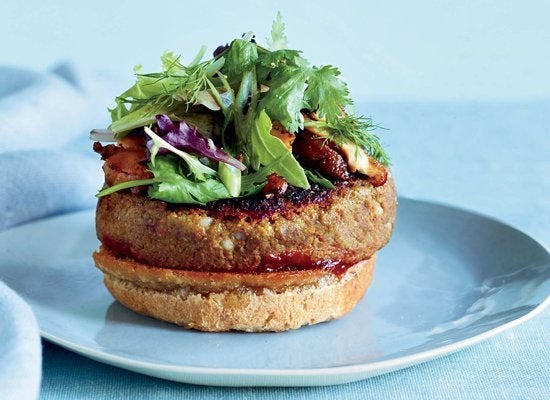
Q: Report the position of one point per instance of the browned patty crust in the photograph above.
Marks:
(300, 229)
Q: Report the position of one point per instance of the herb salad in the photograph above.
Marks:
(218, 128)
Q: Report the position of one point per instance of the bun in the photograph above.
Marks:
(218, 301)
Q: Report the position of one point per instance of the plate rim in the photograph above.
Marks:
(384, 365)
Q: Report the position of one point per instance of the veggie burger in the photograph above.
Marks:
(241, 192)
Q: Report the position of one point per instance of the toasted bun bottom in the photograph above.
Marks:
(217, 302)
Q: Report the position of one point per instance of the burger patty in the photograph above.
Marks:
(300, 229)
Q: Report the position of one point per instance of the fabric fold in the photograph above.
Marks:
(48, 168)
(20, 348)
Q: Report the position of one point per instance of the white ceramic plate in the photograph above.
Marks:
(448, 279)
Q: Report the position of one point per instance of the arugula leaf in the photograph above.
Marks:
(278, 40)
(172, 186)
(326, 93)
(254, 182)
(265, 149)
(241, 112)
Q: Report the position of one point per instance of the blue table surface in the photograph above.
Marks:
(492, 158)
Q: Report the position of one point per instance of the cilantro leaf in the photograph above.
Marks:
(172, 186)
(278, 40)
(285, 98)
(282, 58)
(270, 61)
(326, 93)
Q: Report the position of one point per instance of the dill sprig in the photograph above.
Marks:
(357, 129)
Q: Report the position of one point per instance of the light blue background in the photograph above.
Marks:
(427, 49)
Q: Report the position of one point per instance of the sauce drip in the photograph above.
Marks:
(285, 262)
(294, 261)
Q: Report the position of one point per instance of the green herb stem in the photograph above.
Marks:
(126, 185)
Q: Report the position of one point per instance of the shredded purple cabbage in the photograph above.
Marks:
(183, 137)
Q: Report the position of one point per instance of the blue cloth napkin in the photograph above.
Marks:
(44, 124)
(44, 119)
(20, 350)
